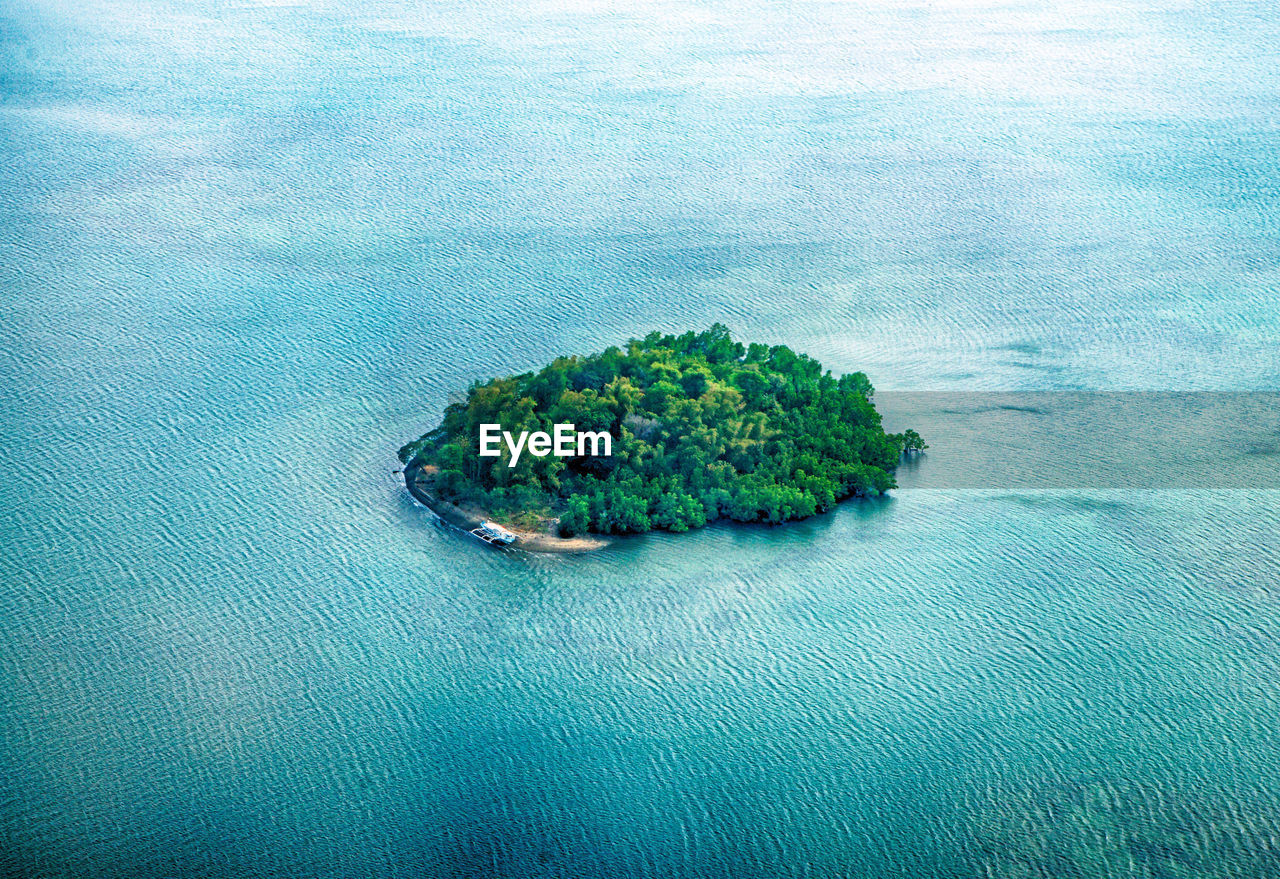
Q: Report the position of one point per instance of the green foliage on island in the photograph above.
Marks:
(703, 428)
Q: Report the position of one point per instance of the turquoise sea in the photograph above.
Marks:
(248, 249)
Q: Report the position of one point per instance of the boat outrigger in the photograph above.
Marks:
(493, 534)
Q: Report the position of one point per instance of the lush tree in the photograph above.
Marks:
(912, 442)
(576, 518)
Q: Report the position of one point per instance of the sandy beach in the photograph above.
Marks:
(418, 480)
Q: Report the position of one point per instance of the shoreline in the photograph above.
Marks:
(418, 482)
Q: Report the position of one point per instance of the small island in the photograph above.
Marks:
(683, 430)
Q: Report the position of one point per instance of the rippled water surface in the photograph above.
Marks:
(248, 250)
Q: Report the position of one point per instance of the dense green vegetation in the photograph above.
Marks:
(703, 426)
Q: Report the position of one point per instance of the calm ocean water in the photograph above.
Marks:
(250, 249)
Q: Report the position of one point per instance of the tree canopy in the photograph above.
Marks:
(703, 428)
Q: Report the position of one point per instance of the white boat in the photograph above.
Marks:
(493, 533)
